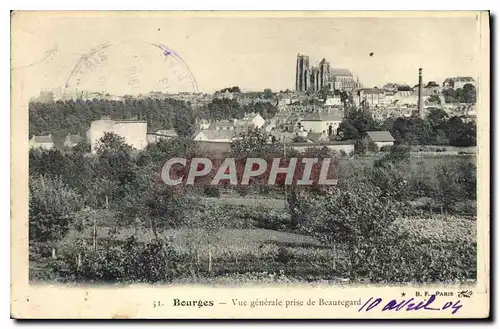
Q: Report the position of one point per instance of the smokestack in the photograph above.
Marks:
(420, 94)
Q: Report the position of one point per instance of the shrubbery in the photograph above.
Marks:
(354, 220)
(118, 261)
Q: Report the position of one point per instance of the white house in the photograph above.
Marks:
(43, 142)
(252, 119)
(284, 101)
(319, 123)
(380, 138)
(318, 137)
(154, 137)
(223, 125)
(333, 101)
(214, 136)
(269, 126)
(337, 146)
(133, 132)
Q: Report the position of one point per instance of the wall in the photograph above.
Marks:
(218, 148)
(380, 144)
(134, 132)
(45, 146)
(347, 148)
(320, 126)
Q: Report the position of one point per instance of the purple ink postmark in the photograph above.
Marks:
(129, 68)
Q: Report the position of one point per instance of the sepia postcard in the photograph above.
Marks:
(250, 165)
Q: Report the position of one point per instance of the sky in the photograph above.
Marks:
(203, 53)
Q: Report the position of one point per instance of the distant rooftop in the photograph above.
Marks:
(218, 134)
(317, 116)
(43, 139)
(380, 136)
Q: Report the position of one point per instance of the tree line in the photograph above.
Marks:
(74, 116)
(438, 128)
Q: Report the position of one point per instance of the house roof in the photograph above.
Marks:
(268, 125)
(218, 134)
(411, 93)
(73, 139)
(43, 139)
(369, 91)
(340, 72)
(316, 116)
(380, 136)
(316, 137)
(221, 123)
(251, 116)
(166, 132)
(132, 120)
(287, 136)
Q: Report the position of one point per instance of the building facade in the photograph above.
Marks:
(42, 142)
(302, 73)
(133, 132)
(322, 123)
(322, 77)
(380, 138)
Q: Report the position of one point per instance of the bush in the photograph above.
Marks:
(284, 255)
(465, 207)
(398, 258)
(361, 146)
(211, 191)
(385, 148)
(52, 205)
(274, 219)
(348, 213)
(155, 261)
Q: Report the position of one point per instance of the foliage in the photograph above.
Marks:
(127, 261)
(63, 117)
(362, 146)
(267, 94)
(253, 143)
(436, 129)
(114, 158)
(454, 180)
(467, 94)
(397, 153)
(211, 191)
(348, 213)
(51, 206)
(398, 258)
(461, 133)
(158, 153)
(434, 99)
(356, 124)
(234, 89)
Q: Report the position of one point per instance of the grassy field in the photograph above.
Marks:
(237, 252)
(250, 201)
(248, 241)
(261, 254)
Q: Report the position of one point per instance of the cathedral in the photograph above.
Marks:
(321, 77)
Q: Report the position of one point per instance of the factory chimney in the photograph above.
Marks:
(420, 95)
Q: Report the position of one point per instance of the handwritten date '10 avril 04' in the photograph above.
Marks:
(410, 305)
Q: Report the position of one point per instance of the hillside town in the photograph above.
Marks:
(309, 116)
(304, 160)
